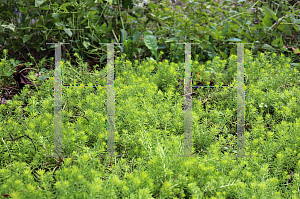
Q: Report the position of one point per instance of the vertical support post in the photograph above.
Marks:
(188, 143)
(57, 103)
(110, 103)
(240, 101)
(188, 120)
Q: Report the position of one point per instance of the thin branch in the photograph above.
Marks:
(116, 38)
(64, 106)
(284, 85)
(82, 116)
(6, 146)
(31, 55)
(20, 137)
(205, 100)
(28, 68)
(23, 57)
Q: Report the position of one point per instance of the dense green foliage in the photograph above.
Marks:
(149, 97)
(149, 131)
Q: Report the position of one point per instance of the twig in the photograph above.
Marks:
(64, 106)
(284, 85)
(44, 146)
(116, 37)
(31, 55)
(23, 57)
(180, 84)
(92, 74)
(28, 68)
(6, 146)
(8, 88)
(190, 93)
(226, 185)
(82, 116)
(20, 137)
(205, 100)
(10, 165)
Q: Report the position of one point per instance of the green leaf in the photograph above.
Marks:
(23, 10)
(82, 21)
(281, 42)
(152, 6)
(268, 47)
(92, 51)
(92, 37)
(26, 38)
(248, 36)
(91, 14)
(269, 12)
(267, 21)
(89, 2)
(67, 30)
(64, 6)
(195, 39)
(123, 36)
(39, 2)
(225, 30)
(41, 26)
(110, 2)
(97, 28)
(171, 39)
(27, 28)
(86, 44)
(60, 25)
(127, 45)
(212, 28)
(136, 36)
(55, 15)
(10, 26)
(286, 28)
(7, 13)
(224, 55)
(275, 42)
(138, 8)
(103, 27)
(45, 7)
(151, 43)
(248, 22)
(234, 27)
(43, 77)
(165, 17)
(297, 27)
(233, 39)
(148, 59)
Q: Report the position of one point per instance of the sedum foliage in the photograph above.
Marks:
(149, 131)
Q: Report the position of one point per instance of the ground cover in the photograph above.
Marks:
(149, 127)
